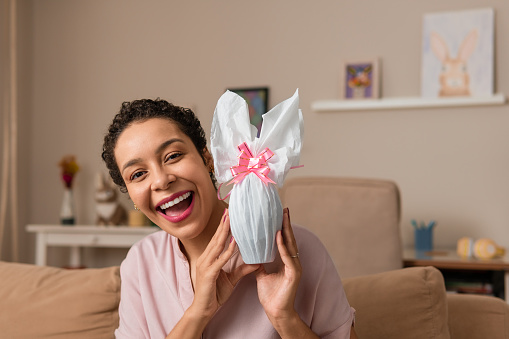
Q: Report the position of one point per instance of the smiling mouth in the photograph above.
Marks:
(176, 207)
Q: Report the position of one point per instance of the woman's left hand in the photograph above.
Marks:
(277, 291)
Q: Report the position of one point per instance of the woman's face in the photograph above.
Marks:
(166, 177)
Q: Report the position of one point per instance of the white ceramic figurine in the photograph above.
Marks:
(108, 208)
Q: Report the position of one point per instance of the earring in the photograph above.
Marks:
(136, 207)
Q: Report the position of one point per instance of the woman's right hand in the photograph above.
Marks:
(213, 285)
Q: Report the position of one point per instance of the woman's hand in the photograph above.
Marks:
(277, 291)
(213, 285)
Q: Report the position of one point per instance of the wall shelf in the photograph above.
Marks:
(405, 102)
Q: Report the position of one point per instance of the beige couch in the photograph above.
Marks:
(358, 221)
(48, 302)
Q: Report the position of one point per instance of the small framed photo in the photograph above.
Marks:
(257, 99)
(360, 79)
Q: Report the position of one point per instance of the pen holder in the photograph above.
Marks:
(424, 239)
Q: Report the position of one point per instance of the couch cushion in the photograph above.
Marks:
(404, 303)
(477, 317)
(49, 302)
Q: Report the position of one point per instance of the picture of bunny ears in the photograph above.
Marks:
(458, 50)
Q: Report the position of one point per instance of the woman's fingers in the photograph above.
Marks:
(261, 272)
(286, 240)
(241, 271)
(217, 243)
(223, 258)
(283, 251)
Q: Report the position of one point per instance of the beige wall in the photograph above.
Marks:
(451, 164)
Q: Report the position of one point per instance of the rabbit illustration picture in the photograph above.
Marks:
(454, 77)
(109, 210)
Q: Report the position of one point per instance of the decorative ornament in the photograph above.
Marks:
(69, 168)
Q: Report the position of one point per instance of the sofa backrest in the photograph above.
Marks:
(356, 219)
(400, 304)
(49, 302)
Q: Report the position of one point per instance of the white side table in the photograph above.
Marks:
(78, 236)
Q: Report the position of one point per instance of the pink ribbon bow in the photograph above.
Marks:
(248, 163)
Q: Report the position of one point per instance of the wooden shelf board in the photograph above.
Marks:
(405, 102)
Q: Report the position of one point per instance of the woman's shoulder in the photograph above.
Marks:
(158, 248)
(305, 237)
(321, 299)
(301, 231)
(152, 242)
(312, 253)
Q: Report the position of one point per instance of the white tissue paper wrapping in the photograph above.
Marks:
(256, 213)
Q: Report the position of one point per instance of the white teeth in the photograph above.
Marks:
(175, 201)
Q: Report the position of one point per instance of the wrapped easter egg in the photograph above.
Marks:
(256, 167)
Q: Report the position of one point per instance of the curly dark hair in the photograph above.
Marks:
(144, 109)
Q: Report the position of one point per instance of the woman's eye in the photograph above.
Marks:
(172, 156)
(136, 175)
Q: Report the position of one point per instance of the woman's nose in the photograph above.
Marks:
(162, 179)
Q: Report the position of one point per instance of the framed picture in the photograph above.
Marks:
(360, 79)
(458, 53)
(257, 99)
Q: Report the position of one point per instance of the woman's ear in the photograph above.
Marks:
(209, 161)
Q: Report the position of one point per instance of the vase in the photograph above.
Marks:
(67, 211)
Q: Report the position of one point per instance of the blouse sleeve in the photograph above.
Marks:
(132, 319)
(323, 292)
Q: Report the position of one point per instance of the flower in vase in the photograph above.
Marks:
(69, 168)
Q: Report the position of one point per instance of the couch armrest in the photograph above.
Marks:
(477, 317)
(50, 302)
(404, 303)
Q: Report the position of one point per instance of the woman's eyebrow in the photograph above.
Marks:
(158, 150)
(166, 144)
(131, 163)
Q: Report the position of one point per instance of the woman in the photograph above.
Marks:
(189, 280)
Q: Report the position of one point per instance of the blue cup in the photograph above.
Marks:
(424, 239)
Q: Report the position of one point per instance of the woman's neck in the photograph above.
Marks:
(193, 248)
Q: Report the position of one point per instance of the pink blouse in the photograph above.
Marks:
(156, 290)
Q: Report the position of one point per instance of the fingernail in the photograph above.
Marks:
(231, 239)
